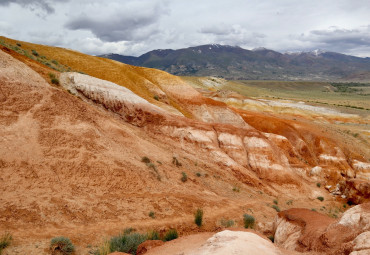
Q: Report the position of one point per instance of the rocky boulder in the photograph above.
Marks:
(304, 230)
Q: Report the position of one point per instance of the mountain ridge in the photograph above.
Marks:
(236, 63)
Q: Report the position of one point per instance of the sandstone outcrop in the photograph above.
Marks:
(304, 230)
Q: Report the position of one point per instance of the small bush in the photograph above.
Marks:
(318, 185)
(61, 244)
(19, 45)
(145, 159)
(55, 62)
(198, 217)
(153, 235)
(227, 223)
(152, 214)
(5, 241)
(289, 202)
(276, 208)
(156, 97)
(320, 198)
(171, 235)
(198, 174)
(126, 242)
(184, 177)
(248, 221)
(275, 202)
(55, 81)
(35, 53)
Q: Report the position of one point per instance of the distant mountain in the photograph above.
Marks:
(232, 62)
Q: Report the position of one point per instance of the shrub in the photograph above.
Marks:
(5, 241)
(275, 202)
(55, 81)
(320, 198)
(227, 223)
(184, 177)
(61, 244)
(156, 97)
(55, 62)
(198, 217)
(19, 45)
(289, 202)
(248, 221)
(198, 174)
(276, 208)
(145, 159)
(153, 235)
(171, 235)
(152, 214)
(318, 185)
(35, 53)
(126, 242)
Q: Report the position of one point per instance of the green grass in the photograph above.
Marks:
(184, 177)
(126, 242)
(170, 235)
(276, 208)
(249, 221)
(62, 244)
(320, 198)
(5, 241)
(198, 217)
(151, 214)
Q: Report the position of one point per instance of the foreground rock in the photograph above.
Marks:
(237, 242)
(304, 230)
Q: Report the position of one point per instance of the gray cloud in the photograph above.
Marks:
(44, 5)
(340, 39)
(122, 25)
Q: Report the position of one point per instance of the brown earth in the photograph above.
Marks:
(72, 165)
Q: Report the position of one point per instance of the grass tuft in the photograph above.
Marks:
(152, 214)
(171, 235)
(276, 208)
(248, 221)
(62, 245)
(5, 241)
(184, 177)
(320, 198)
(198, 217)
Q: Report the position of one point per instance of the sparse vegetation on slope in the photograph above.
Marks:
(61, 245)
(248, 220)
(5, 241)
(198, 217)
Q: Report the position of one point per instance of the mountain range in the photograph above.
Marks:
(233, 62)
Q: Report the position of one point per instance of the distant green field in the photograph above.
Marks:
(350, 97)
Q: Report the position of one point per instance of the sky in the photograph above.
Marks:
(134, 27)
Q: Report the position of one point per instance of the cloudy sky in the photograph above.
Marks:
(133, 27)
